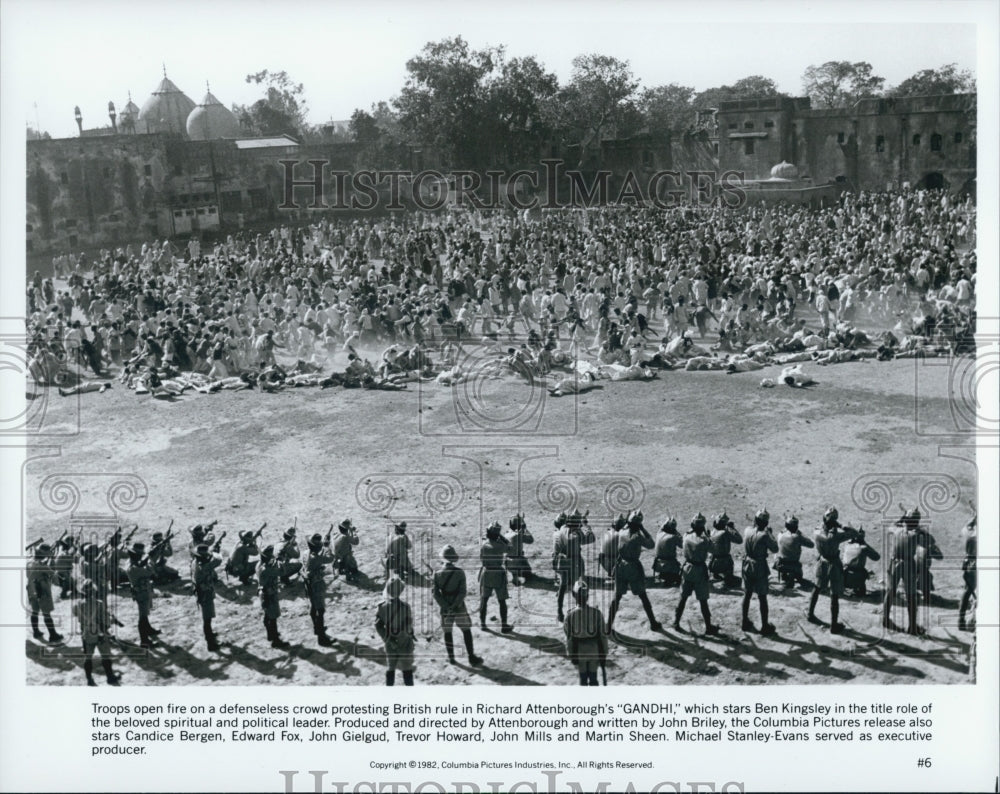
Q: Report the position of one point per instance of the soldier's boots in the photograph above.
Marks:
(505, 627)
(54, 636)
(836, 627)
(109, 673)
(768, 629)
(710, 630)
(34, 629)
(324, 639)
(408, 678)
(748, 625)
(88, 669)
(449, 646)
(390, 677)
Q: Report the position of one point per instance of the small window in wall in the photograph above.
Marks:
(716, 147)
(64, 178)
(748, 146)
(916, 140)
(147, 170)
(935, 142)
(880, 143)
(958, 137)
(73, 241)
(841, 137)
(178, 170)
(732, 126)
(769, 123)
(748, 125)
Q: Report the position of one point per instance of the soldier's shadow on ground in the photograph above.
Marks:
(363, 582)
(237, 593)
(195, 666)
(336, 660)
(55, 657)
(538, 642)
(878, 645)
(281, 667)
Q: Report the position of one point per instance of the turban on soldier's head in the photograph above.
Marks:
(394, 587)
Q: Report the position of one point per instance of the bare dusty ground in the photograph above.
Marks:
(683, 443)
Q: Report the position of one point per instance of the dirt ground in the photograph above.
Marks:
(682, 443)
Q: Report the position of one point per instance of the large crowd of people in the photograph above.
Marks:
(614, 292)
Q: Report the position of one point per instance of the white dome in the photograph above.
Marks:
(166, 110)
(211, 120)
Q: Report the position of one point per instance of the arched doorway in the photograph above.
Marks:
(933, 181)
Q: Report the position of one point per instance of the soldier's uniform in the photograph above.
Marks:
(759, 542)
(95, 626)
(160, 551)
(140, 578)
(665, 564)
(449, 593)
(854, 556)
(92, 568)
(628, 571)
(64, 566)
(694, 573)
(268, 578)
(927, 550)
(903, 567)
(205, 578)
(790, 545)
(493, 576)
(241, 563)
(320, 555)
(969, 576)
(608, 555)
(397, 552)
(829, 568)
(343, 550)
(40, 575)
(586, 641)
(394, 624)
(722, 538)
(567, 554)
(519, 537)
(288, 557)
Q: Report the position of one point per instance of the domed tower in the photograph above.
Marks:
(211, 120)
(166, 110)
(784, 170)
(129, 117)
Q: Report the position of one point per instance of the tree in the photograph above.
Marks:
(599, 99)
(667, 109)
(752, 87)
(35, 135)
(515, 95)
(947, 79)
(839, 84)
(282, 110)
(442, 102)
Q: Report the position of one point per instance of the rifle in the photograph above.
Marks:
(329, 534)
(218, 544)
(34, 543)
(128, 537)
(160, 543)
(259, 532)
(113, 542)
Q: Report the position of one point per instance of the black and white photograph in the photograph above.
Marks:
(621, 345)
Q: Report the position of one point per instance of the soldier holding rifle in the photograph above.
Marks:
(241, 564)
(758, 541)
(829, 568)
(343, 550)
(320, 555)
(205, 577)
(40, 576)
(572, 534)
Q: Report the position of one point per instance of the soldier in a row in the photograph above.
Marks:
(41, 575)
(449, 593)
(695, 573)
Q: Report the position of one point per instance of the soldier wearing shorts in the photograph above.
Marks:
(903, 567)
(394, 624)
(572, 534)
(95, 627)
(789, 562)
(829, 568)
(694, 573)
(668, 543)
(517, 563)
(320, 555)
(586, 642)
(628, 570)
(205, 578)
(970, 540)
(493, 576)
(722, 538)
(40, 575)
(449, 593)
(268, 578)
(758, 541)
(608, 555)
